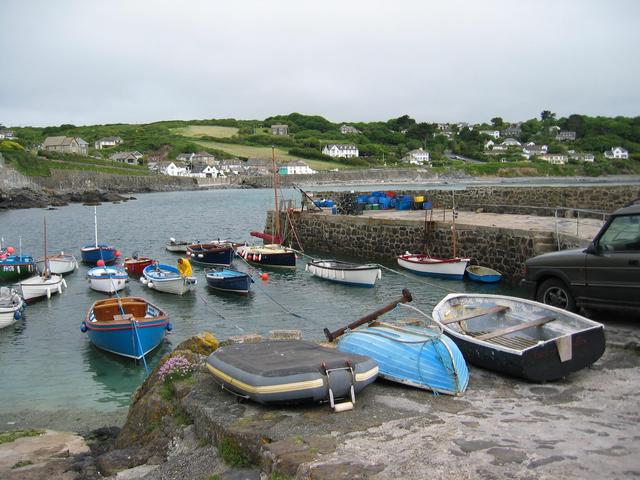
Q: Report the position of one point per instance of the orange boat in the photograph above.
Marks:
(135, 264)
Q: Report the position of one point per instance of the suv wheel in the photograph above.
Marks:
(555, 293)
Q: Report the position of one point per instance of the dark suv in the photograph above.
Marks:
(605, 275)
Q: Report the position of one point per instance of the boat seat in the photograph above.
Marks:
(476, 313)
(538, 322)
(107, 312)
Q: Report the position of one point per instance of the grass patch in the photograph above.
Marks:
(7, 437)
(195, 131)
(22, 463)
(182, 418)
(232, 454)
(166, 392)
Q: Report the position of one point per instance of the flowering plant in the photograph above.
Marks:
(176, 368)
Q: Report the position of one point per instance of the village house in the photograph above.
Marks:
(171, 169)
(280, 129)
(6, 134)
(132, 158)
(529, 150)
(417, 157)
(185, 157)
(581, 157)
(617, 152)
(230, 167)
(553, 129)
(74, 145)
(107, 142)
(205, 171)
(297, 167)
(488, 145)
(510, 142)
(349, 130)
(511, 132)
(340, 150)
(204, 158)
(555, 158)
(491, 133)
(562, 136)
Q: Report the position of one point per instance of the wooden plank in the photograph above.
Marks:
(477, 313)
(516, 328)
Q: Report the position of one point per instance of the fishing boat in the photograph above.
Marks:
(59, 263)
(345, 272)
(408, 351)
(127, 326)
(212, 253)
(425, 264)
(91, 254)
(11, 306)
(107, 278)
(290, 372)
(166, 278)
(15, 267)
(520, 337)
(135, 264)
(179, 246)
(228, 280)
(481, 274)
(273, 255)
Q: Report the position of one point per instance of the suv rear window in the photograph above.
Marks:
(623, 234)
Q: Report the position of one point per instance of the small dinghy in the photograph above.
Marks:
(212, 253)
(520, 337)
(92, 254)
(228, 280)
(291, 372)
(483, 274)
(127, 326)
(135, 264)
(107, 279)
(60, 263)
(273, 255)
(423, 264)
(166, 278)
(11, 307)
(41, 286)
(416, 355)
(345, 272)
(179, 246)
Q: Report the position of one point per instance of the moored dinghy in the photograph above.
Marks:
(166, 278)
(135, 264)
(59, 263)
(228, 280)
(416, 355)
(423, 264)
(520, 337)
(213, 253)
(345, 272)
(127, 326)
(41, 286)
(11, 306)
(107, 279)
(481, 274)
(15, 267)
(272, 255)
(92, 254)
(179, 246)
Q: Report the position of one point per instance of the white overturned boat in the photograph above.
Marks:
(11, 306)
(166, 278)
(422, 264)
(41, 286)
(345, 272)
(60, 263)
(107, 279)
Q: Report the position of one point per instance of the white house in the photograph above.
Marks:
(491, 133)
(172, 169)
(230, 166)
(617, 152)
(562, 136)
(555, 158)
(107, 142)
(341, 150)
(132, 158)
(417, 157)
(582, 157)
(349, 130)
(6, 134)
(511, 142)
(488, 145)
(205, 171)
(295, 168)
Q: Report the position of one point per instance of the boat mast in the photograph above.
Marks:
(95, 223)
(46, 259)
(453, 225)
(276, 234)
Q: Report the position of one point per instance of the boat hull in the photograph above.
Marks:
(179, 247)
(121, 340)
(509, 343)
(452, 269)
(215, 255)
(16, 267)
(91, 254)
(483, 275)
(354, 275)
(268, 257)
(36, 287)
(107, 279)
(414, 356)
(229, 281)
(287, 372)
(60, 264)
(167, 279)
(135, 266)
(11, 314)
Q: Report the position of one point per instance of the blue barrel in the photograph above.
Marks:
(363, 198)
(328, 203)
(372, 200)
(334, 210)
(427, 205)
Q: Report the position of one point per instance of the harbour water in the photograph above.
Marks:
(49, 372)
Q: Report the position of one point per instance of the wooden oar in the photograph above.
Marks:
(406, 297)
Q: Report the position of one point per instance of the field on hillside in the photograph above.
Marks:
(248, 151)
(195, 131)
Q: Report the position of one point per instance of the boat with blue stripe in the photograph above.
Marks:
(228, 280)
(108, 279)
(92, 253)
(15, 267)
(167, 278)
(127, 326)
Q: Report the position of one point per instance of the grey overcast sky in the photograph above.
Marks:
(134, 61)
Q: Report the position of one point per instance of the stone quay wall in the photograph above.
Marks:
(377, 239)
(80, 181)
(538, 200)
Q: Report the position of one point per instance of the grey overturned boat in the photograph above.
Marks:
(291, 372)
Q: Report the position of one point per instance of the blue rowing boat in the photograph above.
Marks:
(228, 280)
(419, 356)
(127, 326)
(483, 274)
(92, 253)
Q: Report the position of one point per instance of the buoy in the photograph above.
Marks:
(117, 253)
(10, 250)
(17, 315)
(200, 255)
(83, 327)
(100, 263)
(143, 280)
(150, 284)
(169, 327)
(264, 276)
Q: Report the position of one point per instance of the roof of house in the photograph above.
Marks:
(56, 141)
(342, 146)
(417, 151)
(258, 162)
(279, 125)
(110, 139)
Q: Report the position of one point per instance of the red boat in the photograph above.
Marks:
(135, 265)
